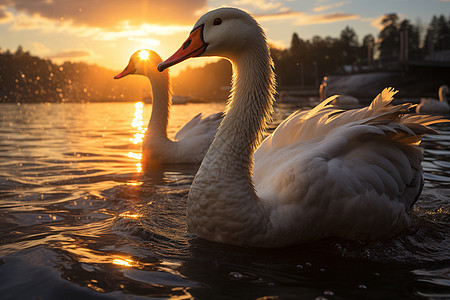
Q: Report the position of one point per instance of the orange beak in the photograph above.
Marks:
(129, 69)
(193, 46)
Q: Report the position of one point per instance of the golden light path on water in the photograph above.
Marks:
(138, 137)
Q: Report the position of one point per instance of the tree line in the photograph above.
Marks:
(26, 78)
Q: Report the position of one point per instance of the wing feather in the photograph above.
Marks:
(199, 125)
(360, 160)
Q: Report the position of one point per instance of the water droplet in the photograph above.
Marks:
(362, 286)
(236, 275)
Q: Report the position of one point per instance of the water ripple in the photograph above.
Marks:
(78, 217)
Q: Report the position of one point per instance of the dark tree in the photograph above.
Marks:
(389, 38)
(26, 78)
(438, 35)
(409, 39)
(367, 50)
(349, 43)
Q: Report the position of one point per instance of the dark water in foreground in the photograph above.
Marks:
(79, 221)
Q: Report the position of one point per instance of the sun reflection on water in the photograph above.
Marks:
(130, 215)
(138, 123)
(125, 262)
(138, 137)
(137, 156)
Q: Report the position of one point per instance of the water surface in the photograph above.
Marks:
(78, 218)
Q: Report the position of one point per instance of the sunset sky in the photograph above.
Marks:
(107, 32)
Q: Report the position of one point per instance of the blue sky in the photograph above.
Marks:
(107, 32)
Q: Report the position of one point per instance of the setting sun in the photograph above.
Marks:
(144, 55)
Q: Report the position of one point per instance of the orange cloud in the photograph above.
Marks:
(260, 4)
(329, 6)
(302, 18)
(277, 44)
(5, 16)
(280, 16)
(71, 54)
(144, 34)
(376, 23)
(110, 13)
(327, 18)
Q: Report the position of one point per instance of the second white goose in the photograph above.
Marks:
(192, 141)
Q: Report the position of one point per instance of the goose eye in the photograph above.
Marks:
(217, 21)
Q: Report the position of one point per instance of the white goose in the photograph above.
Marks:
(325, 172)
(344, 101)
(434, 106)
(192, 141)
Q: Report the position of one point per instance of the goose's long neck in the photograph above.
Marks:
(323, 91)
(223, 188)
(250, 105)
(162, 99)
(443, 94)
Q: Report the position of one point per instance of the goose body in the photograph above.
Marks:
(192, 141)
(434, 106)
(344, 101)
(326, 172)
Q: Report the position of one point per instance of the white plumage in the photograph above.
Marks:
(192, 141)
(435, 106)
(325, 172)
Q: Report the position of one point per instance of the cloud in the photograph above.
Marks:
(259, 4)
(143, 30)
(142, 33)
(329, 6)
(5, 16)
(326, 18)
(40, 48)
(279, 16)
(71, 54)
(376, 23)
(110, 13)
(23, 21)
(301, 18)
(277, 44)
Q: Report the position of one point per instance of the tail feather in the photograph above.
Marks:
(383, 99)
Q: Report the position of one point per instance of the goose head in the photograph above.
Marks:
(225, 32)
(142, 62)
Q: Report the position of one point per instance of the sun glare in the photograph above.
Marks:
(144, 55)
(138, 136)
(125, 262)
(138, 123)
(130, 215)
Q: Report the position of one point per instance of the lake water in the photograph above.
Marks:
(79, 220)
